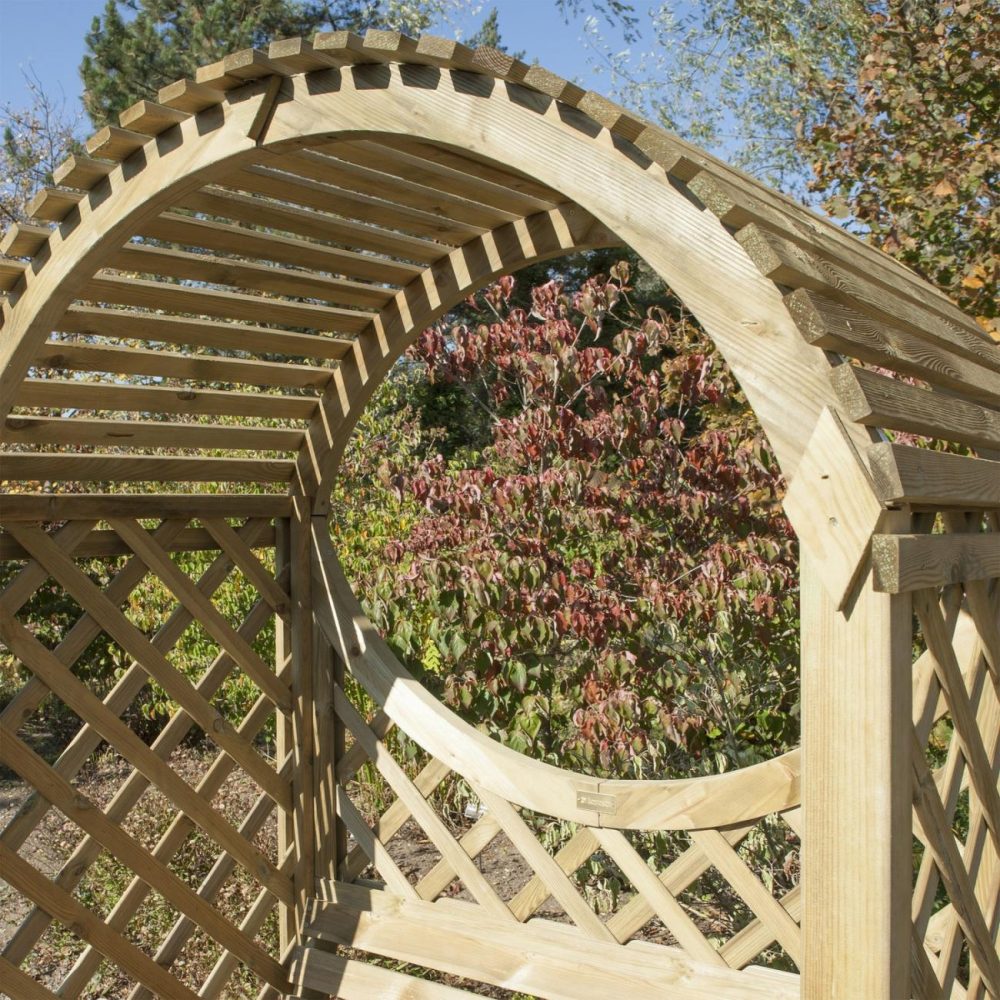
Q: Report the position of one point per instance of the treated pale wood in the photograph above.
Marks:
(915, 562)
(49, 507)
(80, 171)
(24, 239)
(53, 204)
(150, 118)
(354, 980)
(137, 468)
(69, 395)
(177, 686)
(932, 478)
(856, 732)
(92, 820)
(146, 434)
(202, 610)
(832, 503)
(418, 807)
(135, 325)
(550, 960)
(76, 695)
(686, 804)
(230, 305)
(828, 323)
(301, 252)
(877, 401)
(114, 143)
(251, 277)
(207, 368)
(319, 225)
(790, 264)
(20, 985)
(101, 543)
(90, 927)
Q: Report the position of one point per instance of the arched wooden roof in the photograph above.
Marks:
(282, 226)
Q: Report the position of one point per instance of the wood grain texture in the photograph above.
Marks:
(914, 562)
(932, 478)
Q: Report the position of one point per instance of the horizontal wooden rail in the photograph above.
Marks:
(934, 479)
(102, 543)
(62, 507)
(913, 562)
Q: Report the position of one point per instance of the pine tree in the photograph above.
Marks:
(138, 46)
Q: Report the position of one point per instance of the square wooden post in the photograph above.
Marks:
(857, 791)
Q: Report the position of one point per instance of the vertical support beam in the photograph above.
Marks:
(284, 737)
(331, 837)
(857, 791)
(302, 706)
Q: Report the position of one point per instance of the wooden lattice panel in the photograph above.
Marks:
(956, 761)
(186, 840)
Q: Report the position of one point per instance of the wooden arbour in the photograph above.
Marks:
(284, 225)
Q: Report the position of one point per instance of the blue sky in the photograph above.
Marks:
(46, 36)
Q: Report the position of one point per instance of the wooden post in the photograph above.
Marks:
(284, 737)
(302, 712)
(857, 742)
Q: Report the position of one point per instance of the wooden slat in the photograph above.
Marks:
(790, 264)
(204, 612)
(101, 544)
(20, 985)
(69, 395)
(167, 364)
(252, 277)
(133, 325)
(387, 868)
(736, 871)
(746, 944)
(473, 842)
(149, 118)
(89, 926)
(529, 899)
(220, 236)
(53, 204)
(141, 468)
(24, 239)
(49, 507)
(392, 820)
(399, 190)
(147, 434)
(189, 96)
(877, 401)
(230, 305)
(297, 55)
(932, 478)
(915, 562)
(941, 843)
(830, 324)
(177, 833)
(544, 959)
(543, 864)
(422, 812)
(226, 204)
(11, 272)
(666, 907)
(83, 172)
(438, 175)
(244, 558)
(354, 980)
(963, 717)
(113, 143)
(77, 697)
(325, 198)
(93, 600)
(90, 818)
(467, 163)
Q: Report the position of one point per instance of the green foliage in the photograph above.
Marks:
(584, 577)
(909, 145)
